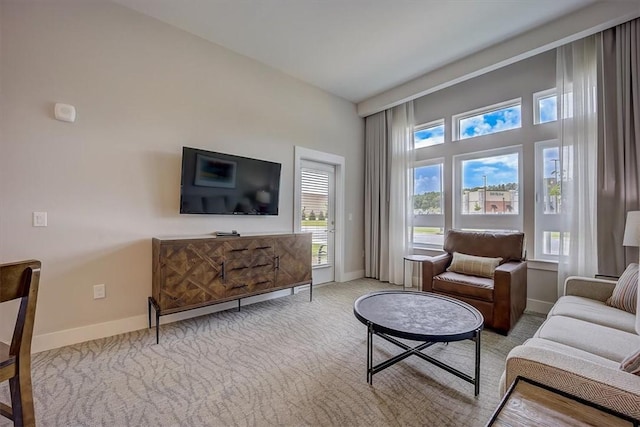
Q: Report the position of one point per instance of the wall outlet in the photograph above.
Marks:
(99, 291)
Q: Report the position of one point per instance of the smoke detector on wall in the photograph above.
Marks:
(65, 112)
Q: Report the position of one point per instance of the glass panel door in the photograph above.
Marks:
(317, 217)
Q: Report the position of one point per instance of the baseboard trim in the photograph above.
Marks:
(352, 275)
(537, 306)
(96, 331)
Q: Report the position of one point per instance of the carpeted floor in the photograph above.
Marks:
(284, 362)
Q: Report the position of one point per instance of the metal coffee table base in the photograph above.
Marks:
(418, 352)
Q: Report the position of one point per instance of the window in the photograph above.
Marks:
(429, 134)
(487, 189)
(545, 106)
(488, 120)
(428, 204)
(548, 178)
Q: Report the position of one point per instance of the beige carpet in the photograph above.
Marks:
(284, 362)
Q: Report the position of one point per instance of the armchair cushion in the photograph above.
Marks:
(625, 294)
(508, 246)
(474, 265)
(463, 285)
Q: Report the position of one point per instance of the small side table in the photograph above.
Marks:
(529, 403)
(412, 259)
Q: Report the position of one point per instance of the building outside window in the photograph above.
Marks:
(487, 191)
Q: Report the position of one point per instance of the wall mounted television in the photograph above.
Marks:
(219, 183)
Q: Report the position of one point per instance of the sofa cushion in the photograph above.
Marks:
(610, 343)
(474, 265)
(570, 351)
(460, 284)
(625, 294)
(631, 363)
(593, 311)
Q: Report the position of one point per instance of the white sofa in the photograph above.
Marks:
(579, 347)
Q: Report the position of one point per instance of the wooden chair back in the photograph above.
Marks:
(19, 280)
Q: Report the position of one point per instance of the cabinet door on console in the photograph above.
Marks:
(249, 265)
(294, 259)
(191, 274)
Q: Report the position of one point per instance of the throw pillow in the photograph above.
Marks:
(625, 294)
(631, 363)
(474, 265)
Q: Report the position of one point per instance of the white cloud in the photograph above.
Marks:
(480, 125)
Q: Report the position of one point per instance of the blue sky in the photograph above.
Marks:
(495, 121)
(548, 109)
(497, 169)
(550, 154)
(427, 179)
(430, 136)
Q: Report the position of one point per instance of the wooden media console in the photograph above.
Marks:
(190, 273)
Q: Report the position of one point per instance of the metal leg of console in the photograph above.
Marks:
(153, 303)
(157, 326)
(149, 310)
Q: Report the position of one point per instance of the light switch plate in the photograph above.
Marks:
(39, 219)
(99, 291)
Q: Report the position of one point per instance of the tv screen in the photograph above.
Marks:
(218, 183)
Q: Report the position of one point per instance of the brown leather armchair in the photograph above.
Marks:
(500, 299)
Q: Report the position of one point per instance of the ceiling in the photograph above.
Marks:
(356, 48)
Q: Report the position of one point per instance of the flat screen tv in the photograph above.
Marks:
(218, 183)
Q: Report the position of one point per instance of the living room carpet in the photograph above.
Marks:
(283, 362)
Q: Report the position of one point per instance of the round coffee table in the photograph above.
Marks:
(418, 316)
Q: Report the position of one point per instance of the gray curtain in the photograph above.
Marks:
(376, 206)
(619, 136)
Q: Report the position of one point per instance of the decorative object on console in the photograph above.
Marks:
(231, 233)
(192, 273)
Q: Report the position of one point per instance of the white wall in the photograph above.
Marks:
(596, 17)
(519, 80)
(110, 181)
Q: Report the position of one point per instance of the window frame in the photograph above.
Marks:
(543, 222)
(456, 118)
(486, 221)
(537, 96)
